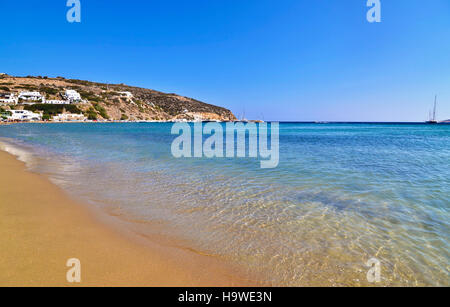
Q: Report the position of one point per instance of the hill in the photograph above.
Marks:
(104, 101)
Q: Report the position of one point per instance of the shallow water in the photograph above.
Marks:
(341, 195)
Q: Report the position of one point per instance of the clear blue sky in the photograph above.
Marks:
(281, 60)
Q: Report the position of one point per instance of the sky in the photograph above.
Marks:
(282, 60)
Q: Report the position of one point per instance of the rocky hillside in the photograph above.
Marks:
(105, 102)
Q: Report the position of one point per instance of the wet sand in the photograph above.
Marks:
(41, 228)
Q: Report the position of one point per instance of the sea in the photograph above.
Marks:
(346, 199)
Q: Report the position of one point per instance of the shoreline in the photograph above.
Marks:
(42, 227)
(446, 122)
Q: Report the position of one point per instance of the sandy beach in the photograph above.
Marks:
(41, 228)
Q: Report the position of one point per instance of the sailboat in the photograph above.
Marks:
(243, 119)
(432, 115)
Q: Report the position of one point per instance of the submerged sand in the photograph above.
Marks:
(41, 228)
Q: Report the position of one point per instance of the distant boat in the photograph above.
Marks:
(432, 115)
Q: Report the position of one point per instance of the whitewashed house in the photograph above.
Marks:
(23, 115)
(127, 95)
(31, 97)
(72, 96)
(69, 117)
(8, 98)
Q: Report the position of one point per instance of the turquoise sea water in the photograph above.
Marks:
(341, 195)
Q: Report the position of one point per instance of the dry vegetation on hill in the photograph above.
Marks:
(105, 102)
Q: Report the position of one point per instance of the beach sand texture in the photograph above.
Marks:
(41, 228)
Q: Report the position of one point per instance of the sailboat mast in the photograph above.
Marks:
(434, 110)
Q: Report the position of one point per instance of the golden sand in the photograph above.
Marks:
(41, 228)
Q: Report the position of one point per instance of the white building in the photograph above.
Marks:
(33, 97)
(72, 96)
(69, 117)
(7, 98)
(56, 102)
(23, 115)
(127, 95)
